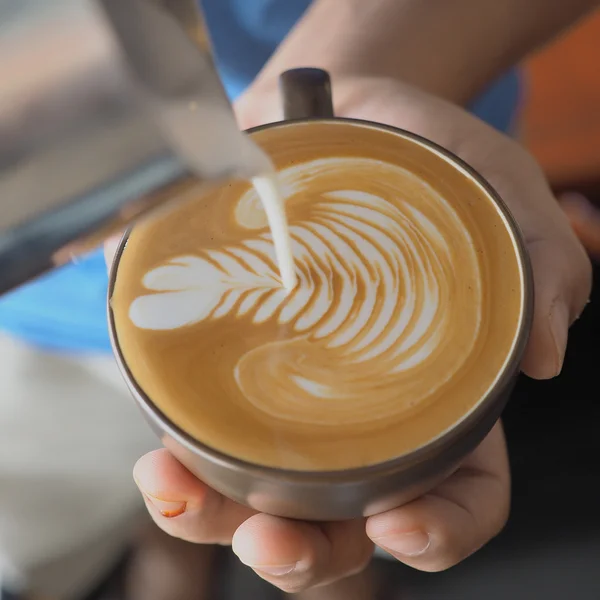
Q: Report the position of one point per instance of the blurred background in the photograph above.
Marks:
(561, 121)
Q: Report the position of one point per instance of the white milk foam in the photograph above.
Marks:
(372, 279)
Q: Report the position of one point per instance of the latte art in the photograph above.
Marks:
(407, 304)
(373, 306)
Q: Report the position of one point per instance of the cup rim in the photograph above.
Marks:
(445, 439)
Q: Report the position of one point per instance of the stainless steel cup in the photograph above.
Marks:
(98, 102)
(351, 493)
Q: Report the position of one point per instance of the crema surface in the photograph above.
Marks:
(407, 306)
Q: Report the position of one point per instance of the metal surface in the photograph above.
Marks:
(99, 116)
(354, 492)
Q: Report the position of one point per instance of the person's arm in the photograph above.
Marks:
(451, 48)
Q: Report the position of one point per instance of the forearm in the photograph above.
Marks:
(452, 48)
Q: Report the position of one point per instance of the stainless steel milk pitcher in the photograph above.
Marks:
(105, 106)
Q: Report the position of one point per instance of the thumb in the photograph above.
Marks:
(562, 282)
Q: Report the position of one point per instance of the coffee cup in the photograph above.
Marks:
(368, 384)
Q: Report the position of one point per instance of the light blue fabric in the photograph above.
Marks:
(65, 310)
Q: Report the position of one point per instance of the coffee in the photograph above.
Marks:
(407, 307)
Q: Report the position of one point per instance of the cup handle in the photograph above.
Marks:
(306, 94)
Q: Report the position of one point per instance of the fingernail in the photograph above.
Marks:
(559, 327)
(166, 508)
(274, 570)
(411, 544)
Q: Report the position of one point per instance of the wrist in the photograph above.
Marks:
(402, 40)
(452, 50)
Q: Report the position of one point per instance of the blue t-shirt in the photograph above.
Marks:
(66, 310)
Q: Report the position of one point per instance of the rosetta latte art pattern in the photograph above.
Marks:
(373, 308)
